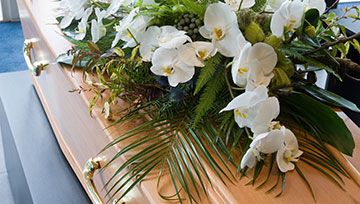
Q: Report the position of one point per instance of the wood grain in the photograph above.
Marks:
(81, 137)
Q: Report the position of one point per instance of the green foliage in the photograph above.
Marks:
(324, 124)
(208, 97)
(207, 72)
(329, 97)
(259, 6)
(195, 7)
(280, 77)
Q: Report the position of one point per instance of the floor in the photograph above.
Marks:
(11, 55)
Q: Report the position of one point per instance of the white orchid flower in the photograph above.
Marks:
(254, 66)
(287, 17)
(196, 52)
(245, 106)
(275, 4)
(98, 30)
(320, 5)
(131, 29)
(288, 152)
(266, 111)
(220, 25)
(166, 62)
(235, 4)
(149, 43)
(71, 10)
(266, 143)
(114, 7)
(170, 37)
(83, 24)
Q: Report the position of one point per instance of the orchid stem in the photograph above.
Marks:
(228, 85)
(132, 36)
(111, 23)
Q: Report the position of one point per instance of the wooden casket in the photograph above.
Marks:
(82, 137)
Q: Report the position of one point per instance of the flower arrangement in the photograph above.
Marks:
(233, 78)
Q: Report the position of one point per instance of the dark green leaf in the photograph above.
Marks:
(329, 126)
(329, 97)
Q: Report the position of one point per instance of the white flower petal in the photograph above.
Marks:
(269, 142)
(229, 45)
(249, 159)
(66, 21)
(204, 32)
(267, 111)
(182, 73)
(187, 54)
(149, 43)
(266, 56)
(320, 5)
(219, 15)
(282, 163)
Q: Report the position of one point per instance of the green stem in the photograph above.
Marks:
(228, 85)
(132, 36)
(111, 23)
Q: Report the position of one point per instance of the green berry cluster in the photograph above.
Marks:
(190, 23)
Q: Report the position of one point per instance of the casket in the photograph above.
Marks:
(81, 136)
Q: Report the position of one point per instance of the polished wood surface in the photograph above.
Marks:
(81, 137)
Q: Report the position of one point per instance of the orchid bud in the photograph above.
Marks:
(310, 31)
(273, 41)
(254, 34)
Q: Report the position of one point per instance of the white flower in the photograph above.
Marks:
(196, 52)
(170, 37)
(235, 4)
(266, 143)
(131, 28)
(220, 25)
(320, 5)
(149, 42)
(288, 152)
(288, 16)
(245, 106)
(83, 24)
(275, 4)
(114, 7)
(265, 112)
(254, 66)
(71, 10)
(166, 62)
(98, 30)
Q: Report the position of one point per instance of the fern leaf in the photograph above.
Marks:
(259, 5)
(207, 72)
(209, 95)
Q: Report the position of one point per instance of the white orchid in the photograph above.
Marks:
(288, 152)
(220, 25)
(265, 112)
(98, 30)
(275, 4)
(83, 24)
(70, 10)
(320, 5)
(170, 37)
(196, 52)
(131, 29)
(287, 17)
(235, 4)
(265, 143)
(166, 62)
(149, 42)
(254, 66)
(245, 106)
(114, 7)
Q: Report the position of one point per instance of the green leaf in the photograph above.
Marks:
(207, 98)
(207, 72)
(93, 46)
(259, 6)
(312, 16)
(328, 126)
(314, 62)
(329, 97)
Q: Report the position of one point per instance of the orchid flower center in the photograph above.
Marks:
(168, 70)
(240, 114)
(288, 154)
(292, 22)
(242, 70)
(219, 34)
(202, 54)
